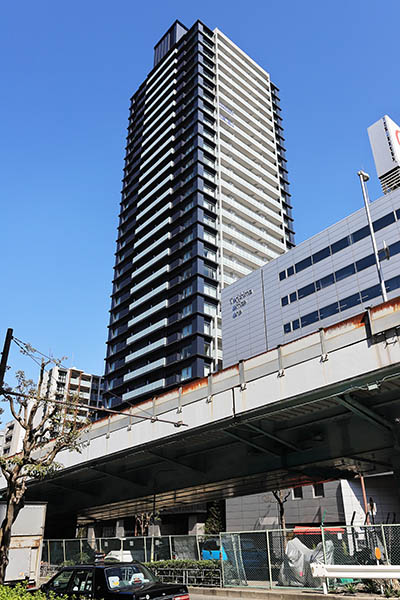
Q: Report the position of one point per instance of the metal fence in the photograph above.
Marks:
(268, 558)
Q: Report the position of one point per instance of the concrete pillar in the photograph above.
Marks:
(196, 524)
(119, 528)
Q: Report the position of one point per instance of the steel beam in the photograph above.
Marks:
(364, 412)
(272, 436)
(250, 443)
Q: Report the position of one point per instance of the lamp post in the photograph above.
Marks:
(363, 179)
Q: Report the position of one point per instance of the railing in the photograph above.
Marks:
(262, 559)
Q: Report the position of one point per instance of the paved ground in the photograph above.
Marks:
(265, 594)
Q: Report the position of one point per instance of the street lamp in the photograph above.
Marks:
(363, 179)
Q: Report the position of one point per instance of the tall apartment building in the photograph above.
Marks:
(66, 384)
(205, 201)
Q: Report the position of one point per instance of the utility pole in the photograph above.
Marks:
(363, 180)
(4, 356)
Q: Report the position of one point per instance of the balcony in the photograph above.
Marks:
(151, 294)
(260, 234)
(225, 46)
(233, 232)
(157, 364)
(143, 253)
(150, 207)
(155, 385)
(262, 87)
(240, 134)
(230, 202)
(271, 201)
(146, 172)
(252, 151)
(147, 331)
(253, 260)
(164, 269)
(250, 176)
(146, 349)
(147, 313)
(151, 262)
(236, 266)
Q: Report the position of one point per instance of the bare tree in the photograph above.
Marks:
(142, 522)
(281, 499)
(47, 430)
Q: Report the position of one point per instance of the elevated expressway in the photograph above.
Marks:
(322, 407)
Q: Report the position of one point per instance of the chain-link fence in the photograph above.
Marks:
(268, 558)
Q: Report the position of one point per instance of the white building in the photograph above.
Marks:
(64, 385)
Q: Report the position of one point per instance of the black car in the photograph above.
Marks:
(114, 580)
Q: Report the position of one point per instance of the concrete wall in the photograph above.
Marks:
(384, 491)
(260, 511)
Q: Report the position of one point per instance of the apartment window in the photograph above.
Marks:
(209, 205)
(188, 238)
(290, 271)
(187, 330)
(210, 272)
(318, 490)
(186, 351)
(282, 275)
(207, 348)
(287, 328)
(207, 370)
(188, 206)
(293, 297)
(210, 309)
(187, 310)
(297, 493)
(284, 301)
(186, 373)
(187, 255)
(187, 291)
(296, 324)
(210, 290)
(209, 220)
(210, 254)
(207, 327)
(208, 237)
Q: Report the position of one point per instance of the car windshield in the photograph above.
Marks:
(122, 576)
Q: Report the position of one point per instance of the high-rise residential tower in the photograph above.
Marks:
(205, 201)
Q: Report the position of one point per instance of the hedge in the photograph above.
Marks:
(186, 563)
(19, 592)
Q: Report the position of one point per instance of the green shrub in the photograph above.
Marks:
(19, 592)
(185, 563)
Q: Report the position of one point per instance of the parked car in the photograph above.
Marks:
(210, 549)
(109, 581)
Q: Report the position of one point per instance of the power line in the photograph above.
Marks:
(28, 350)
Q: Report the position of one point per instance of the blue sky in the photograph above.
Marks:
(68, 70)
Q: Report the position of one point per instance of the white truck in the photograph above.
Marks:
(26, 543)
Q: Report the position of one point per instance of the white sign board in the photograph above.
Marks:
(384, 136)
